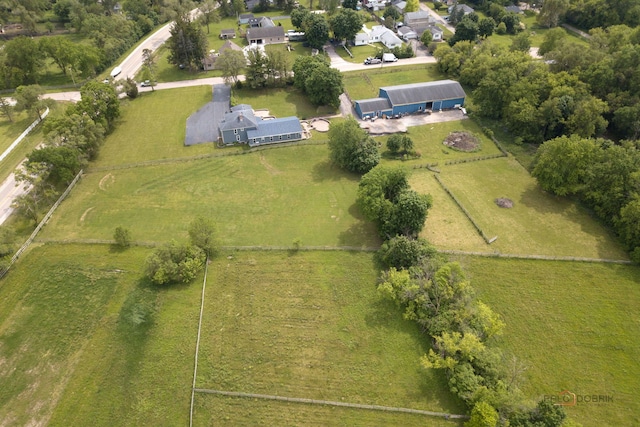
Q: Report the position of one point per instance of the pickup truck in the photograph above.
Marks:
(371, 61)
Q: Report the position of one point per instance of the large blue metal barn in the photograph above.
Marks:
(412, 98)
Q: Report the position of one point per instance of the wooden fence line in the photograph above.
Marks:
(23, 135)
(46, 218)
(487, 240)
(205, 156)
(536, 257)
(332, 403)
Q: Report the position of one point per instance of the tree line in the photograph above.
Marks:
(583, 90)
(434, 292)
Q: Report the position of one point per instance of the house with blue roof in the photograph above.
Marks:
(242, 126)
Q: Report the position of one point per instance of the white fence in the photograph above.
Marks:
(23, 135)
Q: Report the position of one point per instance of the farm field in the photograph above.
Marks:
(271, 197)
(538, 224)
(428, 141)
(82, 338)
(574, 326)
(309, 325)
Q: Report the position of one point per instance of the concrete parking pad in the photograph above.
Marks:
(389, 126)
(202, 126)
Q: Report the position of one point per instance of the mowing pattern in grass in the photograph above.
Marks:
(153, 127)
(233, 411)
(362, 85)
(310, 325)
(575, 326)
(264, 198)
(539, 223)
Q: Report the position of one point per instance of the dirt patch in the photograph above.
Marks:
(320, 125)
(462, 141)
(504, 202)
(268, 166)
(106, 181)
(84, 215)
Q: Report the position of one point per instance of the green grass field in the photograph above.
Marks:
(84, 342)
(265, 198)
(153, 126)
(360, 53)
(309, 325)
(538, 224)
(427, 140)
(574, 326)
(361, 85)
(281, 102)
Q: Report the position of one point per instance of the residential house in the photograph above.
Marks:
(466, 9)
(407, 33)
(377, 34)
(244, 18)
(418, 21)
(412, 98)
(265, 35)
(261, 22)
(400, 5)
(374, 5)
(209, 62)
(228, 34)
(436, 33)
(241, 126)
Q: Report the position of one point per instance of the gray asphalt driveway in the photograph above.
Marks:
(202, 126)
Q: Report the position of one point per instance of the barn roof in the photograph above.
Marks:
(372, 105)
(424, 92)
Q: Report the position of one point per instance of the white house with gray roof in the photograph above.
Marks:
(241, 126)
(377, 34)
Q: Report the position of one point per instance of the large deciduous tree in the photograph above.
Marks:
(552, 11)
(231, 62)
(351, 148)
(316, 30)
(346, 24)
(100, 102)
(187, 44)
(23, 59)
(201, 233)
(29, 98)
(324, 87)
(175, 263)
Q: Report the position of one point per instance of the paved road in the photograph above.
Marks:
(133, 62)
(8, 192)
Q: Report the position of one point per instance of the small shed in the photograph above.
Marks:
(228, 34)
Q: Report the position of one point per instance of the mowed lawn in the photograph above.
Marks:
(538, 224)
(8, 134)
(309, 325)
(153, 127)
(83, 341)
(282, 102)
(428, 141)
(574, 326)
(365, 84)
(271, 197)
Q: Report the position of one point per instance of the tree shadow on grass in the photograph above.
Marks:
(325, 170)
(361, 234)
(542, 202)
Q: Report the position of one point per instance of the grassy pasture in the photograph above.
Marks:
(360, 53)
(309, 325)
(282, 102)
(83, 339)
(427, 140)
(264, 198)
(362, 85)
(574, 325)
(153, 127)
(538, 224)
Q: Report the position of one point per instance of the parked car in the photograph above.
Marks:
(370, 61)
(145, 83)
